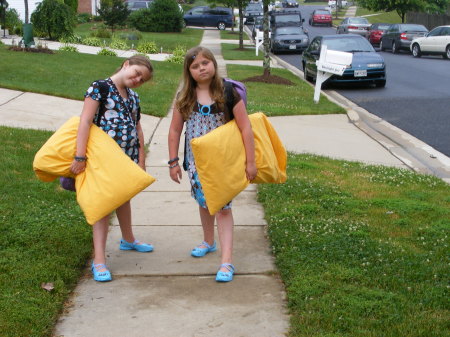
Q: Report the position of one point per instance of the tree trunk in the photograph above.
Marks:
(241, 27)
(266, 63)
(26, 11)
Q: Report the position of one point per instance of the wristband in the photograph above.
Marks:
(80, 159)
(174, 165)
(173, 160)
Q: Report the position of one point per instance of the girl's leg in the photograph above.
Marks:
(100, 233)
(124, 216)
(225, 225)
(208, 226)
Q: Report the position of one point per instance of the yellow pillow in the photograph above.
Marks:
(110, 178)
(220, 160)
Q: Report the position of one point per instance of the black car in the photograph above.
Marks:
(204, 16)
(289, 3)
(286, 18)
(288, 39)
(251, 11)
(368, 67)
(399, 36)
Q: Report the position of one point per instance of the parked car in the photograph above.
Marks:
(376, 31)
(332, 3)
(257, 26)
(288, 39)
(286, 18)
(289, 3)
(204, 16)
(137, 5)
(436, 42)
(399, 36)
(251, 11)
(367, 66)
(320, 17)
(356, 25)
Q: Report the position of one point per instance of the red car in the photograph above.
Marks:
(376, 31)
(320, 16)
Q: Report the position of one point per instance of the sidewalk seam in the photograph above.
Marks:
(12, 99)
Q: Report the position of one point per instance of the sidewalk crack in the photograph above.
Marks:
(12, 99)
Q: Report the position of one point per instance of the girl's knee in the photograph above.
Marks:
(223, 213)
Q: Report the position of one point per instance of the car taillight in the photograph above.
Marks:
(403, 36)
(352, 27)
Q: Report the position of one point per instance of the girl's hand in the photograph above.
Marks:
(251, 171)
(175, 173)
(77, 167)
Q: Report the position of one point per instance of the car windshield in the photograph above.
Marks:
(382, 27)
(413, 28)
(321, 12)
(254, 7)
(289, 31)
(349, 44)
(358, 20)
(287, 18)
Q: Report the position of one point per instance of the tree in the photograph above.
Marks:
(72, 4)
(54, 19)
(26, 11)
(162, 16)
(436, 6)
(113, 13)
(400, 6)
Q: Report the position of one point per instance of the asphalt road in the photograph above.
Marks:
(416, 98)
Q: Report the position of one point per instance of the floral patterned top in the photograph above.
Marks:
(197, 125)
(117, 116)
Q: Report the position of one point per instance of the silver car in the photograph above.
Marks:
(356, 25)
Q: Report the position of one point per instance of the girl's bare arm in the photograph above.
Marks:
(176, 127)
(140, 134)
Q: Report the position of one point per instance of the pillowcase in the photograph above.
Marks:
(111, 178)
(220, 160)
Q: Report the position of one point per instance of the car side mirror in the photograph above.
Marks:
(314, 52)
(303, 20)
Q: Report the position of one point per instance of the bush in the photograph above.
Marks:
(119, 44)
(102, 32)
(12, 22)
(162, 16)
(73, 4)
(67, 47)
(84, 18)
(54, 19)
(71, 39)
(114, 13)
(133, 35)
(148, 47)
(178, 55)
(92, 41)
(106, 52)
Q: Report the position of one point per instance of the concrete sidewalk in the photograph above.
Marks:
(167, 293)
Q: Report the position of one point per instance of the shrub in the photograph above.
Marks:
(114, 13)
(147, 47)
(178, 55)
(12, 22)
(92, 41)
(54, 19)
(132, 36)
(162, 16)
(73, 4)
(102, 32)
(67, 47)
(106, 52)
(84, 18)
(118, 44)
(71, 39)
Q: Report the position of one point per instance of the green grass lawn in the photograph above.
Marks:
(385, 17)
(362, 250)
(232, 52)
(69, 74)
(281, 100)
(167, 41)
(44, 239)
(233, 35)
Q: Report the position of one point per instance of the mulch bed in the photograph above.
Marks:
(272, 79)
(32, 50)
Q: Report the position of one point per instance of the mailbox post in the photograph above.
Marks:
(330, 62)
(259, 39)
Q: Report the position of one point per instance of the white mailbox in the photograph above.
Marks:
(330, 62)
(259, 39)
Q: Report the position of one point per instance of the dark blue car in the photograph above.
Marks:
(367, 66)
(204, 16)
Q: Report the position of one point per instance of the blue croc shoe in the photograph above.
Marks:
(225, 276)
(200, 251)
(100, 276)
(136, 245)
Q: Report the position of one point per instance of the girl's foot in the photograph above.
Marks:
(100, 272)
(136, 245)
(203, 249)
(225, 273)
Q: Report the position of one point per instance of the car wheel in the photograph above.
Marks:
(447, 52)
(416, 50)
(221, 25)
(382, 46)
(380, 84)
(394, 48)
(305, 74)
